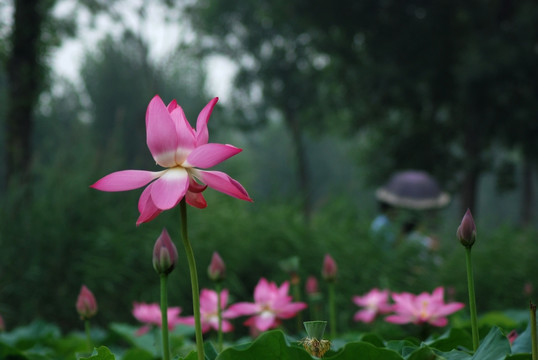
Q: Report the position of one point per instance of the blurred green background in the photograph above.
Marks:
(327, 99)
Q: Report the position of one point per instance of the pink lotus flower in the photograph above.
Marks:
(86, 304)
(272, 303)
(422, 308)
(150, 314)
(2, 325)
(209, 311)
(374, 302)
(181, 150)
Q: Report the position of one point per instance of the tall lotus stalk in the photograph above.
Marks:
(314, 296)
(328, 272)
(217, 272)
(218, 290)
(291, 267)
(534, 340)
(164, 260)
(194, 281)
(87, 308)
(466, 234)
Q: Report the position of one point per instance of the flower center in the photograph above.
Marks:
(423, 314)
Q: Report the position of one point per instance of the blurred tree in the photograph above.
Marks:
(277, 71)
(25, 80)
(34, 32)
(120, 81)
(515, 89)
(424, 82)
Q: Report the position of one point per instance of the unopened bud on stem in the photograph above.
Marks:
(329, 269)
(467, 230)
(164, 254)
(86, 304)
(217, 269)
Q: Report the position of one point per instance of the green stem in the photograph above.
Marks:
(472, 299)
(332, 311)
(297, 298)
(219, 314)
(164, 316)
(88, 336)
(533, 332)
(194, 281)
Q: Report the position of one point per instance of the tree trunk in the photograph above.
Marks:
(471, 167)
(303, 178)
(468, 194)
(24, 76)
(527, 194)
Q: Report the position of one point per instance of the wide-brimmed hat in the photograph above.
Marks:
(413, 189)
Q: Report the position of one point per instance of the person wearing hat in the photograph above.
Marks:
(382, 229)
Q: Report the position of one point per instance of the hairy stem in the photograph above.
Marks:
(164, 316)
(332, 310)
(472, 299)
(219, 314)
(88, 336)
(194, 280)
(533, 332)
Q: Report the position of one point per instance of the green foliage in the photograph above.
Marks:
(137, 354)
(452, 339)
(494, 346)
(270, 345)
(101, 353)
(42, 341)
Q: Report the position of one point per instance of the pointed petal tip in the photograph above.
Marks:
(172, 105)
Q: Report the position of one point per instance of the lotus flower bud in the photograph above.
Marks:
(217, 269)
(86, 304)
(2, 325)
(512, 336)
(311, 286)
(164, 254)
(329, 269)
(467, 230)
(528, 289)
